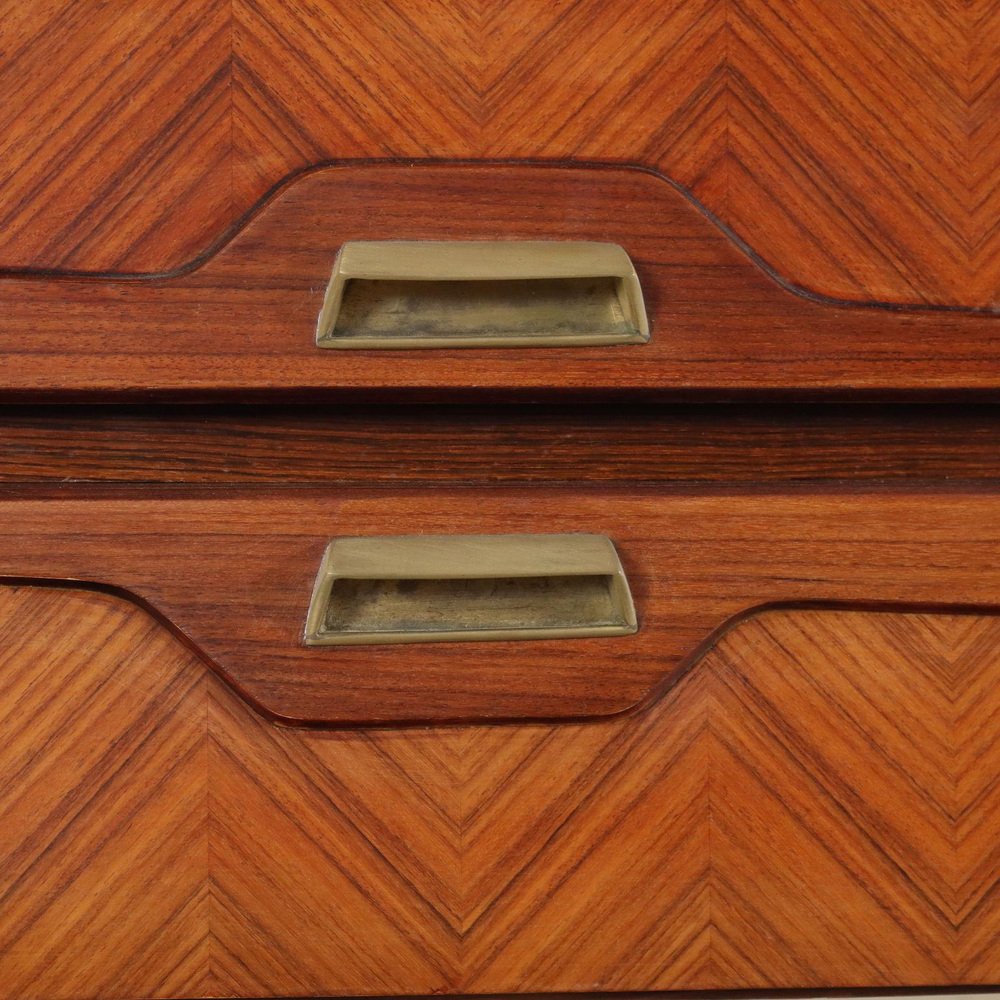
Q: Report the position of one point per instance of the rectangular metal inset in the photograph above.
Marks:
(481, 294)
(451, 588)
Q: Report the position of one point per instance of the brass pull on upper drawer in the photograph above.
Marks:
(449, 588)
(481, 294)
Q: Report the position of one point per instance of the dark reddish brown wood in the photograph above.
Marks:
(233, 572)
(854, 146)
(738, 797)
(361, 446)
(245, 319)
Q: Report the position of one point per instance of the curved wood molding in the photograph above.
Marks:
(815, 806)
(234, 574)
(245, 320)
(855, 147)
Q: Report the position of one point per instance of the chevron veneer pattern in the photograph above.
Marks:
(814, 804)
(856, 146)
(115, 131)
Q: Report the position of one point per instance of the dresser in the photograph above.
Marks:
(498, 499)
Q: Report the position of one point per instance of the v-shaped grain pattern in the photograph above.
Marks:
(814, 805)
(856, 148)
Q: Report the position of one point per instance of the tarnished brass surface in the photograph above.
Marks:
(481, 294)
(452, 588)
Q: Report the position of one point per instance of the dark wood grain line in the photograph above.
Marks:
(362, 446)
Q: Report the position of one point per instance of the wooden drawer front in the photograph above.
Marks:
(809, 195)
(245, 318)
(234, 570)
(814, 804)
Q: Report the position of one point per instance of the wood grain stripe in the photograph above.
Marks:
(364, 445)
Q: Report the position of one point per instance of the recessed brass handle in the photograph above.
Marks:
(463, 588)
(481, 294)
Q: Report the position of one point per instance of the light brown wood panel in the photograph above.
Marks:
(815, 805)
(854, 146)
(245, 321)
(115, 132)
(233, 571)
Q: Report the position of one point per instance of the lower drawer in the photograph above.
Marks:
(789, 780)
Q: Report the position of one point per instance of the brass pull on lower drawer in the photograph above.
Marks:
(481, 294)
(454, 588)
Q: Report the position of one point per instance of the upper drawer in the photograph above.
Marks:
(853, 151)
(245, 317)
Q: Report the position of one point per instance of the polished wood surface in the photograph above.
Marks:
(244, 321)
(814, 805)
(233, 572)
(484, 445)
(853, 146)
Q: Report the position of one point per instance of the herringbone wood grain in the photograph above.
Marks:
(815, 804)
(855, 146)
